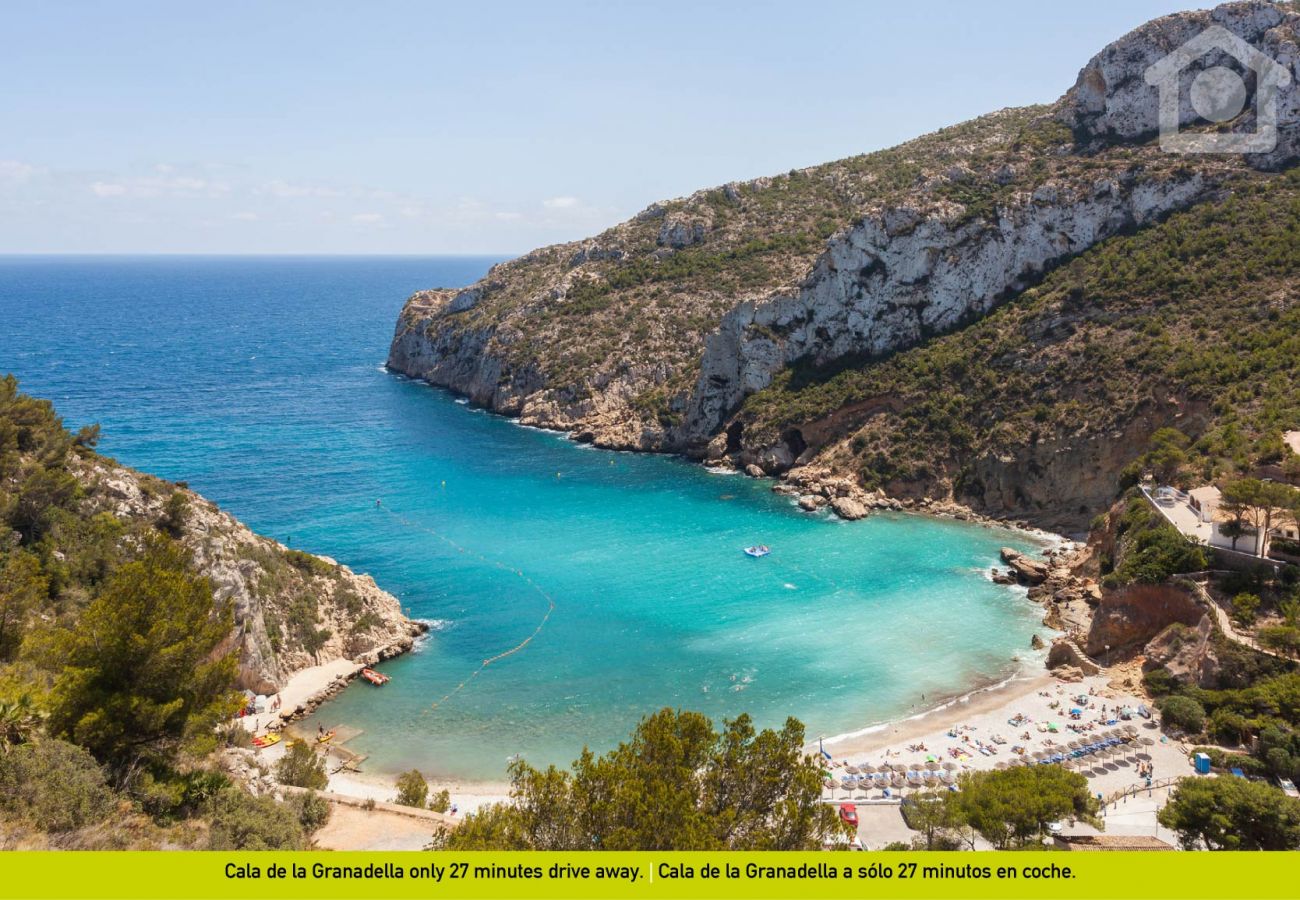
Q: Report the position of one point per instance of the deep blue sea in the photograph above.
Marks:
(260, 381)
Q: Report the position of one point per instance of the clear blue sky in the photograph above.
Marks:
(405, 127)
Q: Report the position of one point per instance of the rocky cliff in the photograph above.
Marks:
(292, 610)
(658, 333)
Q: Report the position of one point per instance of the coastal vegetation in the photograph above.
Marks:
(115, 665)
(412, 789)
(1260, 715)
(301, 766)
(1009, 808)
(1232, 814)
(1190, 319)
(1148, 550)
(677, 784)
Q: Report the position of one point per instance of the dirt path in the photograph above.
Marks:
(1225, 625)
(354, 828)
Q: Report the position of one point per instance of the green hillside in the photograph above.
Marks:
(1195, 322)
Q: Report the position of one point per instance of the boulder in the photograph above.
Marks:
(1186, 653)
(754, 471)
(1036, 643)
(1132, 616)
(1066, 654)
(810, 503)
(1000, 577)
(1028, 570)
(849, 508)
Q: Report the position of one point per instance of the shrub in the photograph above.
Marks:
(307, 563)
(441, 801)
(55, 785)
(1183, 712)
(240, 821)
(175, 511)
(1245, 607)
(313, 811)
(301, 767)
(412, 789)
(1283, 638)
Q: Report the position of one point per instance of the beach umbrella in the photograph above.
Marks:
(1075, 744)
(1131, 730)
(1146, 741)
(950, 766)
(867, 768)
(852, 770)
(897, 779)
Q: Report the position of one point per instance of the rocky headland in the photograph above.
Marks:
(684, 328)
(292, 610)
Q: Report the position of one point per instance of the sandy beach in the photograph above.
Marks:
(1002, 725)
(310, 687)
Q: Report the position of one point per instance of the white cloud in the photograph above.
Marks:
(560, 202)
(290, 190)
(245, 217)
(184, 186)
(368, 218)
(508, 216)
(13, 170)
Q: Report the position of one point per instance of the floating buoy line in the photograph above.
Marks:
(461, 548)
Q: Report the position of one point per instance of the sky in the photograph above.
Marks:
(475, 127)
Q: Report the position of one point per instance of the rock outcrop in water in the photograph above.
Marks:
(654, 334)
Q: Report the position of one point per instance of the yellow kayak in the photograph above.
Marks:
(267, 740)
(326, 737)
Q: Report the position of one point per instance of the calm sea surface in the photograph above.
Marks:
(260, 381)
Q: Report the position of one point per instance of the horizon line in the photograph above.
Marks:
(298, 253)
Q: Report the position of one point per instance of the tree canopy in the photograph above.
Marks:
(143, 670)
(1232, 814)
(676, 785)
(1013, 807)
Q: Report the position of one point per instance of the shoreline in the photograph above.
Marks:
(938, 509)
(978, 701)
(319, 684)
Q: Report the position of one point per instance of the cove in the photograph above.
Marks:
(259, 381)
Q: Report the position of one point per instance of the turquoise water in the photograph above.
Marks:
(260, 382)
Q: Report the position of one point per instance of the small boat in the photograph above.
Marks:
(326, 737)
(759, 551)
(267, 740)
(378, 679)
